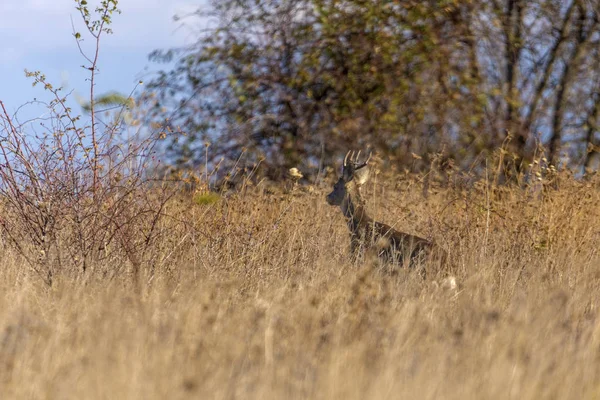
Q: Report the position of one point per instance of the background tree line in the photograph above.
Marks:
(296, 83)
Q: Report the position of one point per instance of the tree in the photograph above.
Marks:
(298, 82)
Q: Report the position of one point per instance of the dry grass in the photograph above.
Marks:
(254, 297)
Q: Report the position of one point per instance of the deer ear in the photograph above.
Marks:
(361, 174)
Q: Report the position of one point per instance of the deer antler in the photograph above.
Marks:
(354, 159)
(346, 158)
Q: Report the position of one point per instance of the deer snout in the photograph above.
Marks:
(330, 199)
(334, 199)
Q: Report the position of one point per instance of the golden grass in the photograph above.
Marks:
(253, 296)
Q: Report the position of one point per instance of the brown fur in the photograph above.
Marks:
(366, 234)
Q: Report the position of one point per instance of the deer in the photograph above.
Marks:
(366, 234)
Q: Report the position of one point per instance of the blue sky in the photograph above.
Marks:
(37, 35)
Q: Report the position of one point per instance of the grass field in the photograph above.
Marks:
(253, 296)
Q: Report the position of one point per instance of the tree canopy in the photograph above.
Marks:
(296, 83)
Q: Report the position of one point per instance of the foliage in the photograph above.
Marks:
(110, 100)
(206, 198)
(299, 82)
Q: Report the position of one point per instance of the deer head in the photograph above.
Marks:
(354, 172)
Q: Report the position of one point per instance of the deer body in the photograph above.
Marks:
(366, 234)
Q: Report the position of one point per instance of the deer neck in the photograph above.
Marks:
(354, 210)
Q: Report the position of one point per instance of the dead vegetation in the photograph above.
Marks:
(117, 284)
(254, 296)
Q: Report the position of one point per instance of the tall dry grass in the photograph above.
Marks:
(253, 296)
